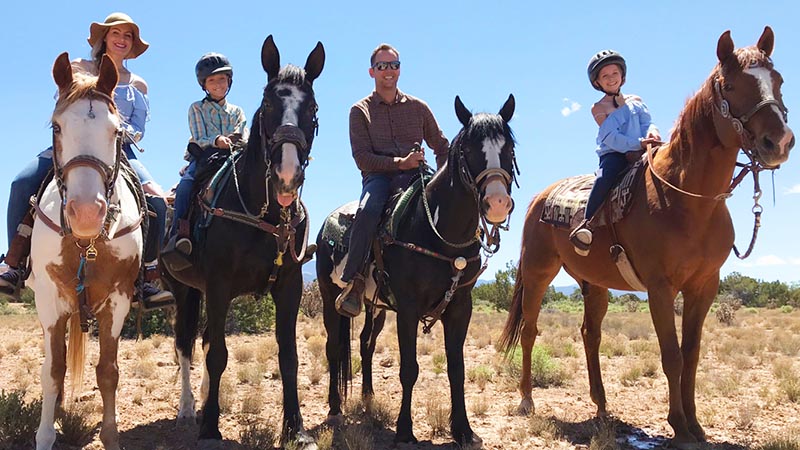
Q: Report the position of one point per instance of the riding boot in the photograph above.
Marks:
(581, 238)
(153, 297)
(13, 280)
(348, 303)
(176, 253)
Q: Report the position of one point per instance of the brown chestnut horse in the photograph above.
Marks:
(676, 240)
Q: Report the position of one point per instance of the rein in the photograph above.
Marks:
(747, 147)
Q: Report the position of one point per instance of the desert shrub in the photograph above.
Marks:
(437, 415)
(255, 436)
(439, 362)
(158, 321)
(545, 371)
(251, 315)
(356, 437)
(77, 426)
(480, 375)
(727, 305)
(18, 419)
(311, 301)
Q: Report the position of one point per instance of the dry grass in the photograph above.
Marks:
(253, 402)
(437, 415)
(316, 346)
(614, 345)
(543, 427)
(357, 437)
(479, 406)
(604, 437)
(252, 374)
(227, 394)
(267, 350)
(259, 435)
(480, 375)
(244, 353)
(145, 368)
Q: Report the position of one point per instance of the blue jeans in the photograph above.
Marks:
(28, 181)
(374, 194)
(611, 166)
(182, 194)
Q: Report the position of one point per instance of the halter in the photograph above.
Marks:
(108, 173)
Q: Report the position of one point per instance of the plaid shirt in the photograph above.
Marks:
(380, 131)
(208, 119)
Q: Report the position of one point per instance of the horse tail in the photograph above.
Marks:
(344, 367)
(509, 338)
(76, 353)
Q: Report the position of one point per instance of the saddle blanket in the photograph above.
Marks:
(566, 203)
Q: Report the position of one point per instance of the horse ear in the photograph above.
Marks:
(315, 62)
(107, 80)
(724, 46)
(62, 72)
(270, 58)
(462, 112)
(767, 41)
(507, 111)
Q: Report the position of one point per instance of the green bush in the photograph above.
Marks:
(158, 321)
(545, 371)
(251, 315)
(18, 419)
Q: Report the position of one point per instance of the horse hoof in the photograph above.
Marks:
(184, 421)
(209, 444)
(476, 444)
(335, 420)
(526, 407)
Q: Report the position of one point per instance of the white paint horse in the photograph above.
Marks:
(87, 219)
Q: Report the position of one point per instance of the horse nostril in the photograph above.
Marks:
(768, 144)
(791, 144)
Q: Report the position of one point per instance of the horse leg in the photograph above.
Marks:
(287, 292)
(218, 300)
(696, 305)
(595, 306)
(536, 277)
(661, 300)
(187, 316)
(337, 346)
(54, 369)
(409, 369)
(109, 323)
(456, 322)
(373, 325)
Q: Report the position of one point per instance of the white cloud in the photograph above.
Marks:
(794, 189)
(573, 107)
(772, 260)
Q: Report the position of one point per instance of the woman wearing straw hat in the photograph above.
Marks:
(117, 37)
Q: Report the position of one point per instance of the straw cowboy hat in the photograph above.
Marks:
(97, 31)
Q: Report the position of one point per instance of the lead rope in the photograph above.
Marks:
(757, 210)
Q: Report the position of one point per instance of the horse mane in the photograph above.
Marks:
(82, 86)
(699, 108)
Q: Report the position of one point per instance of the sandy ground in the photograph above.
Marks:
(740, 399)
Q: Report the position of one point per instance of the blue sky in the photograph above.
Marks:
(481, 51)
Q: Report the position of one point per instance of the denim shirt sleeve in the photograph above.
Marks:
(140, 114)
(612, 134)
(645, 121)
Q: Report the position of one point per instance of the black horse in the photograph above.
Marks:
(431, 262)
(254, 241)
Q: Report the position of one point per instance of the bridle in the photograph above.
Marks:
(108, 173)
(755, 166)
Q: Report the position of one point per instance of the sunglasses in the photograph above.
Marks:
(383, 65)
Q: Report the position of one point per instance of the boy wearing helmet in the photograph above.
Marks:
(215, 124)
(625, 129)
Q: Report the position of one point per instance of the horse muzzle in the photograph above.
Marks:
(86, 216)
(497, 203)
(773, 149)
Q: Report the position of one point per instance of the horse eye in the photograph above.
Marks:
(727, 87)
(56, 128)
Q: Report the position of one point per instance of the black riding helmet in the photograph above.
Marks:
(210, 64)
(602, 59)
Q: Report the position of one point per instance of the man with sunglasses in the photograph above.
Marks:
(384, 128)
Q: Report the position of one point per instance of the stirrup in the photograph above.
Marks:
(581, 239)
(349, 301)
(173, 257)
